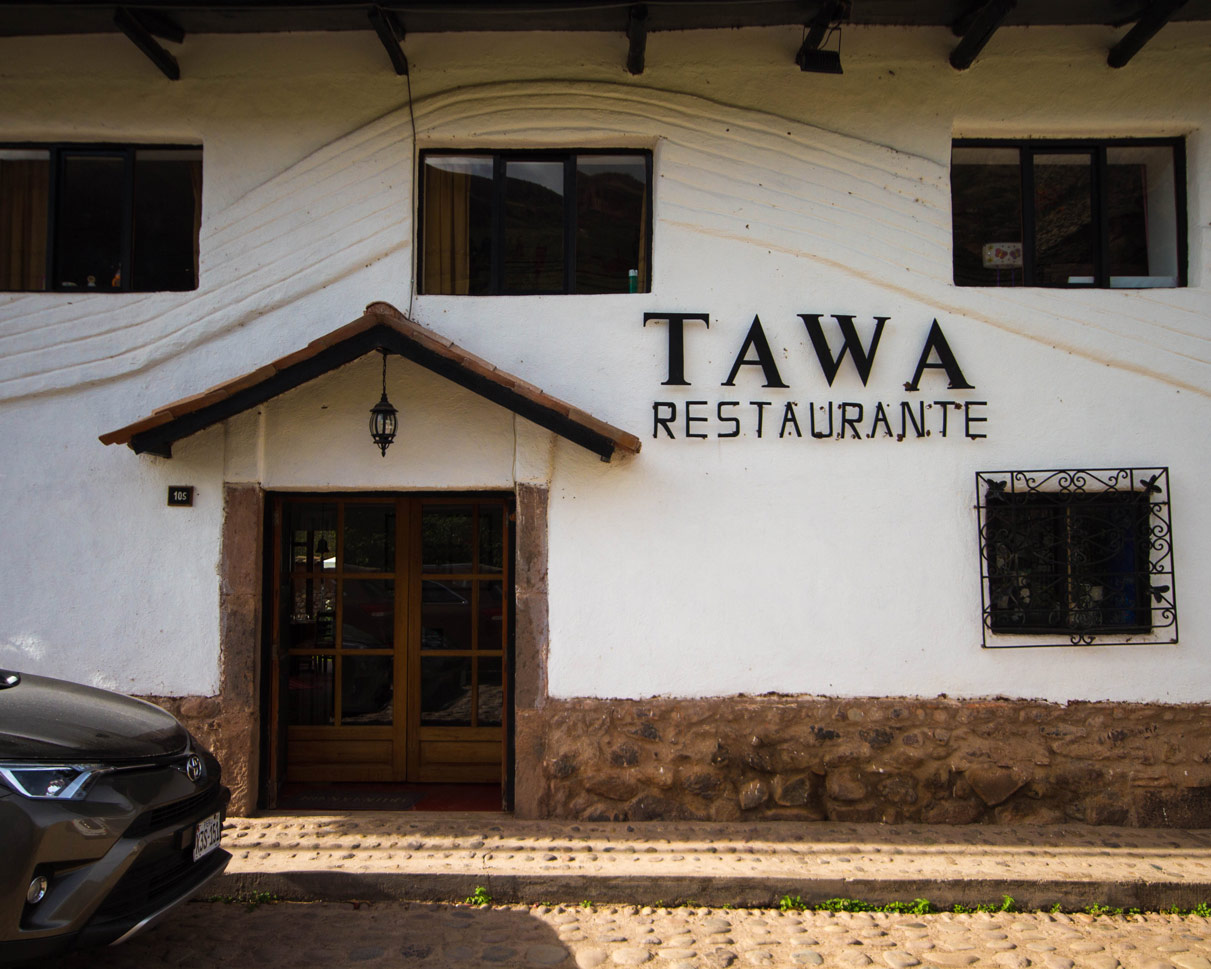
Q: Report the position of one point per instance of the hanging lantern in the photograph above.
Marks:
(383, 416)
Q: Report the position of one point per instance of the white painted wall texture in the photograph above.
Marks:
(700, 567)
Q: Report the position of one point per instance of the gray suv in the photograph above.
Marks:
(110, 814)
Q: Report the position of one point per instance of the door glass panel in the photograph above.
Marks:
(445, 615)
(311, 618)
(491, 539)
(368, 614)
(445, 691)
(491, 691)
(1063, 207)
(366, 690)
(312, 531)
(369, 538)
(446, 539)
(491, 616)
(309, 690)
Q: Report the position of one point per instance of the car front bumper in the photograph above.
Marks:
(116, 861)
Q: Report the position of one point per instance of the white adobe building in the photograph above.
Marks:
(771, 443)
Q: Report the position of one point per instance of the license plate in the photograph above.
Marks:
(206, 836)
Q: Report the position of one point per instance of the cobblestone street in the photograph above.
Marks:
(327, 935)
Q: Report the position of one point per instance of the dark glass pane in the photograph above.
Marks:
(491, 690)
(446, 539)
(491, 616)
(1063, 220)
(1141, 217)
(445, 691)
(1068, 562)
(457, 248)
(88, 230)
(533, 227)
(1108, 562)
(368, 614)
(369, 538)
(491, 538)
(167, 214)
(312, 530)
(24, 201)
(309, 690)
(366, 690)
(311, 613)
(445, 615)
(986, 212)
(611, 210)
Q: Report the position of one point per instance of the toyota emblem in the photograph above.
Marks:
(193, 767)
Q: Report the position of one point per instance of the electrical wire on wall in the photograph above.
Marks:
(415, 186)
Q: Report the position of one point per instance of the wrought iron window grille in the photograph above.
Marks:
(1082, 554)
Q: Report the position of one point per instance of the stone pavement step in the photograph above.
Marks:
(372, 855)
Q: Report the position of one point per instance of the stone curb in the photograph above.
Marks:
(714, 892)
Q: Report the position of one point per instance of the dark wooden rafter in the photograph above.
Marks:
(1153, 19)
(637, 37)
(141, 27)
(827, 14)
(976, 27)
(391, 34)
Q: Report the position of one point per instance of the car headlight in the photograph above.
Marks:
(63, 782)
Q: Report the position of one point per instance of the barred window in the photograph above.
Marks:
(1086, 554)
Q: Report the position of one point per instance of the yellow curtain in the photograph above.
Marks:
(447, 253)
(24, 189)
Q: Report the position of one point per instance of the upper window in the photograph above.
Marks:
(1074, 213)
(535, 222)
(1085, 554)
(99, 218)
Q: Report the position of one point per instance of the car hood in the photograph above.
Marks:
(54, 720)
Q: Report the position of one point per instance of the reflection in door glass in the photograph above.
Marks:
(446, 691)
(310, 622)
(491, 538)
(491, 692)
(445, 615)
(491, 616)
(446, 538)
(312, 530)
(309, 690)
(367, 614)
(369, 538)
(366, 690)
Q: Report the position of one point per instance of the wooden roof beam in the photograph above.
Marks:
(137, 26)
(1154, 18)
(637, 38)
(391, 34)
(976, 27)
(829, 13)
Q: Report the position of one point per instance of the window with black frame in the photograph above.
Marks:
(506, 222)
(1085, 554)
(99, 218)
(1108, 214)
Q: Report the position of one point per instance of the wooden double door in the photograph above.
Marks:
(389, 638)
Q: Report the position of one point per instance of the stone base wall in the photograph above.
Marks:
(881, 759)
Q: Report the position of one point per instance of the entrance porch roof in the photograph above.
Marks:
(381, 327)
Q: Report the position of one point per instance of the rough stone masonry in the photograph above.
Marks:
(893, 760)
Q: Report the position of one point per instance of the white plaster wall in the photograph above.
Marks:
(698, 567)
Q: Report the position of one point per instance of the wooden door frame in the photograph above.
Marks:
(273, 728)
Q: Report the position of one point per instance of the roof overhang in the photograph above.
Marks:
(381, 327)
